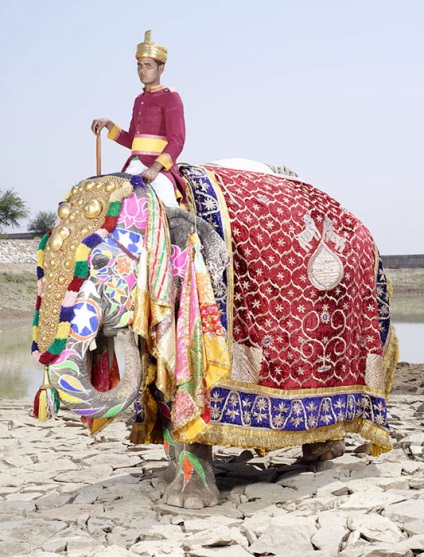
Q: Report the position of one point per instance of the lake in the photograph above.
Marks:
(21, 375)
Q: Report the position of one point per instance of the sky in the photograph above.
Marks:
(334, 89)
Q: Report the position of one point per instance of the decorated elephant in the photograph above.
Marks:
(258, 318)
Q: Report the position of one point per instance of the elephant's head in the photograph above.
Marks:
(87, 281)
(79, 316)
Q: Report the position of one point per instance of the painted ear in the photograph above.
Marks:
(181, 224)
(215, 251)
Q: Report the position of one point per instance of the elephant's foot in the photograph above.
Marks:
(327, 450)
(194, 486)
(166, 477)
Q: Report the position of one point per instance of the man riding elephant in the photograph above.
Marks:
(260, 318)
(157, 130)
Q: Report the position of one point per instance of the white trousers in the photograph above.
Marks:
(162, 185)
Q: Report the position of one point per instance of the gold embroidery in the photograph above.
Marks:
(325, 269)
(247, 361)
(374, 372)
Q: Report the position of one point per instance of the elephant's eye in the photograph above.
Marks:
(99, 260)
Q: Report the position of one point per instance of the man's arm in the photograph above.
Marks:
(175, 131)
(122, 137)
(152, 172)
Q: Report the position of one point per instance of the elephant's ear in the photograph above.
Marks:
(182, 224)
(215, 251)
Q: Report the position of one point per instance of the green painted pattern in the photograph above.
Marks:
(113, 411)
(67, 364)
(195, 462)
(167, 436)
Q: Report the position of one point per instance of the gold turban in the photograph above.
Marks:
(151, 50)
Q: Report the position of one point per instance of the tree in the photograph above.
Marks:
(42, 222)
(12, 208)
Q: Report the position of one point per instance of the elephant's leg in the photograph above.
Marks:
(168, 475)
(194, 486)
(326, 450)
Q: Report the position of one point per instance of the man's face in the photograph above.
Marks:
(148, 71)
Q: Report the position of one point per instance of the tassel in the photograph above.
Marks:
(46, 401)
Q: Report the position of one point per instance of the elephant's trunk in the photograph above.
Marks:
(72, 382)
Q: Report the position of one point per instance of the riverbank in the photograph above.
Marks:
(18, 288)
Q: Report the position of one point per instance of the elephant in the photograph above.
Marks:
(258, 317)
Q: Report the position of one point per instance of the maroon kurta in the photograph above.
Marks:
(157, 132)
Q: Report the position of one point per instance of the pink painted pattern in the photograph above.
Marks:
(179, 259)
(182, 364)
(133, 213)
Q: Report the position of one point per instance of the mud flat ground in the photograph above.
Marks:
(63, 492)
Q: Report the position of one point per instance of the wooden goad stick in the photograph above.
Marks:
(98, 154)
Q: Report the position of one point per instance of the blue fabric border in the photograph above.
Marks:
(208, 207)
(294, 413)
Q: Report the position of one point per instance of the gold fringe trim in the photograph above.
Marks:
(249, 438)
(141, 436)
(376, 261)
(99, 424)
(191, 206)
(244, 387)
(391, 349)
(375, 450)
(147, 431)
(390, 360)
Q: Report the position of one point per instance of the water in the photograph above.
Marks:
(21, 375)
(408, 318)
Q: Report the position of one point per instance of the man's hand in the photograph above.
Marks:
(152, 172)
(101, 123)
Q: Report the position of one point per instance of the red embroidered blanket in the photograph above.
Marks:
(305, 306)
